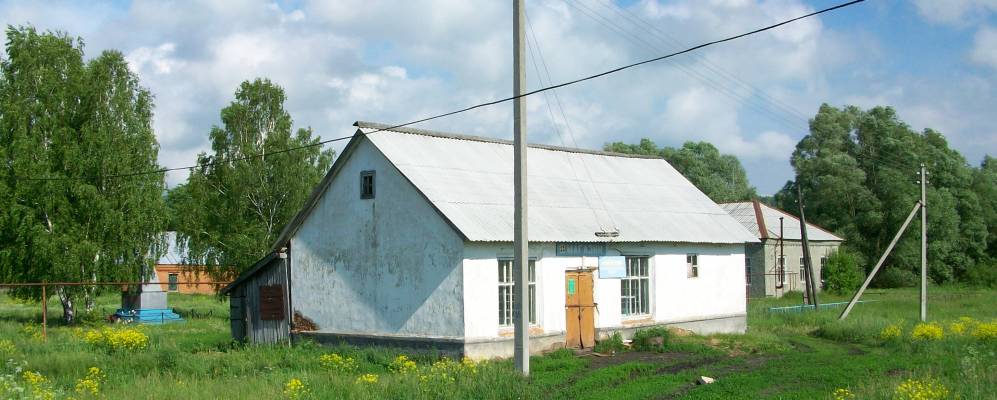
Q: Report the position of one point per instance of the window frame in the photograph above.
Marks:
(635, 288)
(692, 265)
(803, 272)
(780, 272)
(364, 176)
(506, 302)
(747, 270)
(172, 282)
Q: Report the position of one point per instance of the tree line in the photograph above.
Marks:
(857, 172)
(68, 126)
(74, 131)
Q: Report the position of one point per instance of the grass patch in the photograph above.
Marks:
(786, 355)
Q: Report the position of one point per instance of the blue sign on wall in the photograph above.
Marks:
(612, 267)
(580, 249)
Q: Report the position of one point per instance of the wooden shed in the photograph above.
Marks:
(259, 302)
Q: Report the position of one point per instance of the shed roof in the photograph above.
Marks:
(767, 226)
(572, 193)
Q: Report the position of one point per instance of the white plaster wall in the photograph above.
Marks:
(388, 265)
(718, 291)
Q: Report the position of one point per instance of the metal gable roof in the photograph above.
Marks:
(745, 213)
(572, 193)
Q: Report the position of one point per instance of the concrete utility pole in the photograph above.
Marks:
(924, 246)
(521, 246)
(808, 268)
(875, 269)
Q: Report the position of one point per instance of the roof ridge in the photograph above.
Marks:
(458, 136)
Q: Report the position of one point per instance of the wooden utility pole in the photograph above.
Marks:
(520, 314)
(924, 246)
(808, 270)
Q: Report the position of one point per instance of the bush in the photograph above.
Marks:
(643, 339)
(895, 278)
(843, 272)
(983, 274)
(117, 339)
(927, 331)
(612, 345)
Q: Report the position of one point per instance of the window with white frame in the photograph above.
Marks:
(747, 270)
(802, 269)
(692, 265)
(635, 291)
(506, 293)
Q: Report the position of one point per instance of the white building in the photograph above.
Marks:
(408, 240)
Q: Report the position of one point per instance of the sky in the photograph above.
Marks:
(341, 61)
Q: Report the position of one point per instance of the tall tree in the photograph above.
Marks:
(857, 170)
(239, 198)
(72, 124)
(720, 176)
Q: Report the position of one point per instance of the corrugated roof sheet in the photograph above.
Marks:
(572, 193)
(744, 212)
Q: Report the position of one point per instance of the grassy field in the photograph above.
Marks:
(806, 355)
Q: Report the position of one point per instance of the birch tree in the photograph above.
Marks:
(67, 127)
(238, 199)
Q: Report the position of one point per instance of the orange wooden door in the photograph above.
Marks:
(579, 310)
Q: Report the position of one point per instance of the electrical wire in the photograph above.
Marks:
(536, 43)
(476, 106)
(738, 98)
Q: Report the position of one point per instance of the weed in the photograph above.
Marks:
(927, 332)
(647, 339)
(927, 389)
(611, 345)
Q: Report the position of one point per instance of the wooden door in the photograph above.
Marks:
(579, 312)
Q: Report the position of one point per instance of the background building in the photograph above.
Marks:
(779, 234)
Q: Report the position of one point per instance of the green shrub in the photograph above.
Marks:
(895, 278)
(843, 272)
(983, 274)
(644, 339)
(611, 345)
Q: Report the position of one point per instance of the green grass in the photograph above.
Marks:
(801, 355)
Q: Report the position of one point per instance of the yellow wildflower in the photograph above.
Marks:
(986, 331)
(7, 348)
(295, 389)
(337, 362)
(367, 379)
(891, 332)
(929, 331)
(927, 389)
(90, 384)
(402, 365)
(843, 394)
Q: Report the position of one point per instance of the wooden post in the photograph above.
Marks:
(44, 314)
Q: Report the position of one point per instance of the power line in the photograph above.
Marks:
(654, 30)
(567, 125)
(476, 106)
(790, 123)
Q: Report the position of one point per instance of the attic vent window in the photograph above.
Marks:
(367, 184)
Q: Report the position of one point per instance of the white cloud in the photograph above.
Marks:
(340, 61)
(955, 12)
(985, 47)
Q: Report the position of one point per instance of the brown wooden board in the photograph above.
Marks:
(272, 303)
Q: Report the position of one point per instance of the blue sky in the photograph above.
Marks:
(347, 60)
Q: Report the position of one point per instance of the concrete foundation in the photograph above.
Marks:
(489, 348)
